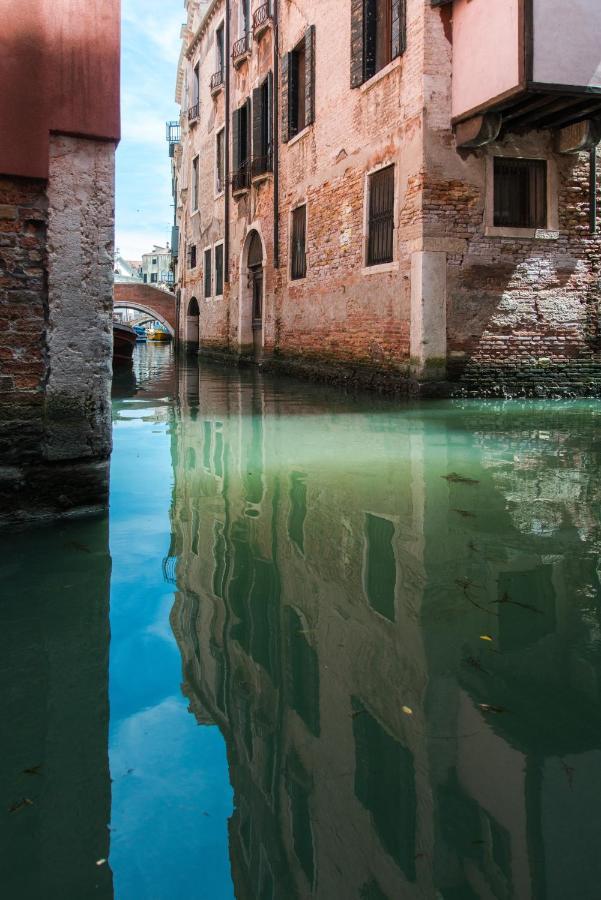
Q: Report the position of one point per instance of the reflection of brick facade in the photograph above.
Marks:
(501, 312)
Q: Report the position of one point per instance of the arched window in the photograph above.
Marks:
(193, 309)
(255, 251)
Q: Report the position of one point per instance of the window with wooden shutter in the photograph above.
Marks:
(298, 87)
(378, 35)
(218, 270)
(263, 127)
(220, 162)
(520, 193)
(192, 256)
(298, 252)
(195, 177)
(241, 144)
(380, 238)
(208, 279)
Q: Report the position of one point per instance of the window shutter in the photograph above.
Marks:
(269, 148)
(236, 140)
(257, 147)
(310, 75)
(248, 132)
(292, 95)
(356, 43)
(399, 28)
(284, 97)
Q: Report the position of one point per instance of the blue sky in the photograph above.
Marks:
(151, 45)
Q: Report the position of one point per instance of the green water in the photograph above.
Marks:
(323, 646)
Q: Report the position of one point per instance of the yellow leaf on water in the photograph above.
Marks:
(485, 637)
(407, 710)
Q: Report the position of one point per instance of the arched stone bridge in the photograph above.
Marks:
(148, 300)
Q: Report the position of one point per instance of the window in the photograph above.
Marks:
(298, 86)
(145, 278)
(220, 161)
(218, 270)
(262, 127)
(380, 236)
(208, 274)
(154, 260)
(520, 192)
(244, 18)
(195, 183)
(153, 277)
(380, 565)
(298, 254)
(377, 36)
(241, 140)
(194, 106)
(219, 45)
(192, 256)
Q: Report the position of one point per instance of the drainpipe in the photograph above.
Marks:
(226, 161)
(275, 137)
(593, 189)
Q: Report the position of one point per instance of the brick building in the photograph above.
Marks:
(59, 125)
(392, 190)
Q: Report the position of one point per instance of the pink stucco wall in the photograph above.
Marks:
(567, 42)
(59, 71)
(486, 51)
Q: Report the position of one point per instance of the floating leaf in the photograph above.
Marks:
(485, 637)
(20, 804)
(454, 478)
(100, 862)
(34, 770)
(407, 710)
(487, 707)
(465, 513)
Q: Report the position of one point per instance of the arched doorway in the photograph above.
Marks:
(193, 324)
(255, 284)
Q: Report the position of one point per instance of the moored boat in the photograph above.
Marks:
(158, 334)
(124, 341)
(140, 332)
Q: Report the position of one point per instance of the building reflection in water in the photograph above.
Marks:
(405, 664)
(54, 775)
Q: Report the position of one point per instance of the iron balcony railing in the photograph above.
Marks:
(241, 178)
(193, 112)
(262, 164)
(241, 47)
(173, 132)
(217, 81)
(262, 17)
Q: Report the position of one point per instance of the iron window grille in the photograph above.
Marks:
(298, 249)
(380, 241)
(520, 193)
(208, 274)
(193, 112)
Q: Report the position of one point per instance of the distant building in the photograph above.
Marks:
(126, 269)
(156, 267)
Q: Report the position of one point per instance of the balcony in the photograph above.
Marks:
(524, 64)
(262, 165)
(173, 136)
(217, 82)
(241, 50)
(193, 113)
(262, 19)
(241, 178)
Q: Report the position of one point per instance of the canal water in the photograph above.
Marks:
(323, 646)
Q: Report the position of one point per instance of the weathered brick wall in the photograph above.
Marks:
(23, 315)
(522, 314)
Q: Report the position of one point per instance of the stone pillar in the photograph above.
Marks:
(429, 314)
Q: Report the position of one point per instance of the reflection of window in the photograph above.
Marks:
(302, 673)
(298, 786)
(219, 554)
(385, 785)
(380, 565)
(298, 510)
(520, 193)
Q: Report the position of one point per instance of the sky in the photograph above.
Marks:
(150, 51)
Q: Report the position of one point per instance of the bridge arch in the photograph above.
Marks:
(157, 304)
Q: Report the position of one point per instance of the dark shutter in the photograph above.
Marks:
(310, 75)
(219, 270)
(356, 43)
(208, 274)
(298, 249)
(270, 119)
(292, 94)
(284, 97)
(258, 112)
(399, 27)
(236, 140)
(370, 38)
(248, 134)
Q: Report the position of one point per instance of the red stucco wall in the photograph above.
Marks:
(59, 71)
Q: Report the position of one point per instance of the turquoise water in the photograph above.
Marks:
(322, 646)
